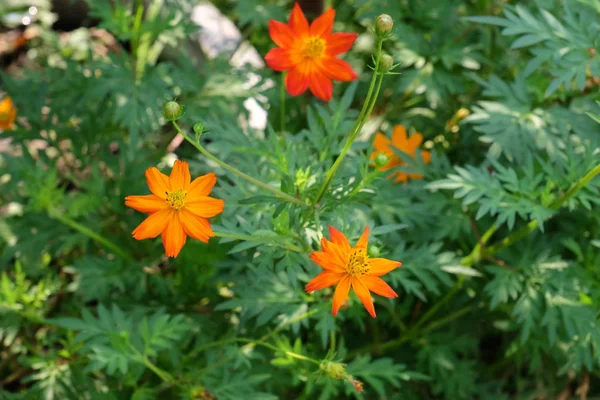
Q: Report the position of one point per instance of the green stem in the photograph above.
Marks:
(89, 233)
(365, 112)
(262, 239)
(318, 222)
(164, 375)
(135, 42)
(237, 172)
(413, 333)
(479, 253)
(295, 319)
(282, 110)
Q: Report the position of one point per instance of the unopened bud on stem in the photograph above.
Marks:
(385, 63)
(384, 25)
(172, 111)
(381, 160)
(334, 370)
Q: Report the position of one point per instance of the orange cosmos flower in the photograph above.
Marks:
(350, 266)
(309, 53)
(178, 207)
(400, 141)
(8, 113)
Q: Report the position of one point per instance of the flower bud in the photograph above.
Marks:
(381, 160)
(198, 128)
(333, 369)
(385, 63)
(358, 385)
(384, 25)
(172, 111)
(462, 113)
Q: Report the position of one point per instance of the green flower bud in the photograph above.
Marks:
(384, 25)
(172, 111)
(381, 160)
(333, 369)
(385, 63)
(198, 128)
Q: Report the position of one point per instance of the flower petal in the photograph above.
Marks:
(195, 226)
(399, 138)
(426, 156)
(152, 226)
(201, 186)
(377, 285)
(279, 59)
(298, 23)
(173, 237)
(335, 251)
(323, 280)
(414, 142)
(363, 241)
(148, 204)
(205, 206)
(340, 295)
(339, 42)
(320, 85)
(382, 144)
(324, 24)
(364, 295)
(281, 34)
(158, 183)
(327, 261)
(339, 238)
(180, 175)
(296, 83)
(381, 266)
(339, 70)
(400, 177)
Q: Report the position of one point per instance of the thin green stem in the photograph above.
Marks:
(89, 233)
(135, 42)
(366, 110)
(237, 172)
(218, 343)
(262, 239)
(164, 375)
(413, 333)
(318, 222)
(295, 319)
(479, 252)
(282, 110)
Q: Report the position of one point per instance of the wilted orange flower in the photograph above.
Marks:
(309, 53)
(178, 208)
(400, 141)
(350, 266)
(8, 113)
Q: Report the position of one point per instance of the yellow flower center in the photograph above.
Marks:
(175, 199)
(358, 262)
(314, 47)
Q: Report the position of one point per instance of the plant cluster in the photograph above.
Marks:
(417, 220)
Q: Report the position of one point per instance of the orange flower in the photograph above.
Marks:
(350, 266)
(400, 141)
(309, 53)
(178, 208)
(8, 113)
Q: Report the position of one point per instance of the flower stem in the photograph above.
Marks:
(237, 172)
(478, 252)
(282, 110)
(365, 112)
(89, 233)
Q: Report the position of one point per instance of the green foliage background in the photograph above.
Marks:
(500, 284)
